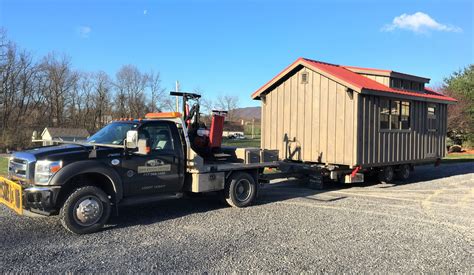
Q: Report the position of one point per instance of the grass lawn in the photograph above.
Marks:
(241, 142)
(3, 166)
(458, 157)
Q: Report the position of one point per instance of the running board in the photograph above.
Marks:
(149, 199)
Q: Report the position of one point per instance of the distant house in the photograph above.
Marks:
(63, 134)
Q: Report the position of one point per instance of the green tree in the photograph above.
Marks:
(460, 85)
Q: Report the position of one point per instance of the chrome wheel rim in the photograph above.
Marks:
(243, 190)
(88, 210)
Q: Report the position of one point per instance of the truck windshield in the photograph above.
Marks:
(114, 133)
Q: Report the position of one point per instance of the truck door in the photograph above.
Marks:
(161, 170)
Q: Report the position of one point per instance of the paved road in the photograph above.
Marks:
(423, 226)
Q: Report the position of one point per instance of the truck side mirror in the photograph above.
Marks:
(132, 139)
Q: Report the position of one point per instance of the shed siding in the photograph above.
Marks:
(385, 80)
(311, 122)
(381, 147)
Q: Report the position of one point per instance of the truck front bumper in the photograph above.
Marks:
(30, 200)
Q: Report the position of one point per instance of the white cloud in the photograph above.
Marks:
(84, 31)
(418, 22)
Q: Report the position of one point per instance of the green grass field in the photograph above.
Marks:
(458, 158)
(3, 166)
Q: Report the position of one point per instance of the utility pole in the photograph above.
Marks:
(177, 97)
(253, 128)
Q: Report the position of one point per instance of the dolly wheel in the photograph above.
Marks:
(404, 172)
(86, 210)
(386, 174)
(240, 190)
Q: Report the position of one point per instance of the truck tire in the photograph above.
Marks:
(403, 172)
(86, 210)
(386, 174)
(240, 190)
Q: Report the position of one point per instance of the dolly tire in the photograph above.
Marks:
(403, 172)
(386, 174)
(86, 210)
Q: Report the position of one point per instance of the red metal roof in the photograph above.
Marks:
(357, 80)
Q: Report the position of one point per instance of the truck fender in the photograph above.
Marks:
(89, 166)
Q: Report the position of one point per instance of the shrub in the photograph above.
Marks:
(455, 149)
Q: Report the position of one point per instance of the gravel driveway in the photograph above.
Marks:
(423, 226)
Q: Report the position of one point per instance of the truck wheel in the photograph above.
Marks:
(86, 210)
(386, 174)
(404, 172)
(240, 190)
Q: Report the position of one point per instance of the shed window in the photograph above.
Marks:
(431, 116)
(384, 114)
(405, 115)
(304, 78)
(406, 84)
(394, 114)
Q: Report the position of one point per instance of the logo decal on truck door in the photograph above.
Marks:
(154, 162)
(155, 169)
(154, 166)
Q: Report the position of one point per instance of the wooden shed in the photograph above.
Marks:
(325, 113)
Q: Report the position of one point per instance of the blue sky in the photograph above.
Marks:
(234, 47)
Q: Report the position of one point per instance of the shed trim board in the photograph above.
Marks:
(388, 73)
(328, 120)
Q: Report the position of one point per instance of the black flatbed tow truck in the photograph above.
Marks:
(132, 161)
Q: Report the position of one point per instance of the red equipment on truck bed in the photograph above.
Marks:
(216, 131)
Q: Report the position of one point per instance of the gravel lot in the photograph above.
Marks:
(423, 226)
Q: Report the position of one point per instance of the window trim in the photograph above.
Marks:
(433, 117)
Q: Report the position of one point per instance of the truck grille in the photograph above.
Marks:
(21, 167)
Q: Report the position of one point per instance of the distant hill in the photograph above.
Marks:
(248, 113)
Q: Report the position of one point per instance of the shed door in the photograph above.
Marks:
(432, 130)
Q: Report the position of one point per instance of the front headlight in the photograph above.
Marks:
(45, 169)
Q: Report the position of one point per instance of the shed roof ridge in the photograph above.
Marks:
(321, 62)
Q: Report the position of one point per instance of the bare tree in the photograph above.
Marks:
(207, 106)
(131, 84)
(157, 93)
(61, 80)
(103, 86)
(228, 103)
(45, 92)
